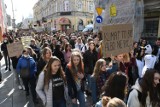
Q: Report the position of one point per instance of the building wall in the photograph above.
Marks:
(159, 28)
(2, 29)
(4, 15)
(51, 10)
(26, 23)
(152, 14)
(8, 20)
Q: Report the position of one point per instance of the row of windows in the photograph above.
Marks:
(67, 6)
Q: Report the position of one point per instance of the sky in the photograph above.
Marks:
(22, 8)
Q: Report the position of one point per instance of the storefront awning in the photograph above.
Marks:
(64, 21)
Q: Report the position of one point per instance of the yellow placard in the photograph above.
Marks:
(99, 10)
(113, 10)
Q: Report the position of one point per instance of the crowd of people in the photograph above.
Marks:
(60, 69)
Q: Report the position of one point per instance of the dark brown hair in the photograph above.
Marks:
(44, 51)
(66, 46)
(146, 84)
(48, 71)
(115, 85)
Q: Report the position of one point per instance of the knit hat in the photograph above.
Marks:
(148, 49)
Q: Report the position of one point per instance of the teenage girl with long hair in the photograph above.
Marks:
(44, 59)
(50, 86)
(98, 79)
(75, 79)
(146, 91)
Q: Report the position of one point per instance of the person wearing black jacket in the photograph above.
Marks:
(90, 57)
(46, 55)
(58, 53)
(5, 53)
(53, 44)
(1, 56)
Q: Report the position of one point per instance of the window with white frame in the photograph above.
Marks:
(90, 6)
(66, 6)
(61, 7)
(79, 6)
(56, 10)
(55, 7)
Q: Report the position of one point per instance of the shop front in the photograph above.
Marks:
(65, 24)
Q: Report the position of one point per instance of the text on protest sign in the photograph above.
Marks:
(15, 49)
(117, 39)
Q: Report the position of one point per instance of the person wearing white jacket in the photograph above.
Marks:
(149, 59)
(50, 86)
(146, 91)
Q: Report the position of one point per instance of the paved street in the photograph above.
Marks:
(11, 96)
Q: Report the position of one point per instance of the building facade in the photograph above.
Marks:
(27, 23)
(63, 14)
(2, 25)
(151, 20)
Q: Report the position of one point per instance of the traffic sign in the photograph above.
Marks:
(99, 19)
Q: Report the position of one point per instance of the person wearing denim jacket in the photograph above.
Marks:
(97, 84)
(98, 79)
(24, 62)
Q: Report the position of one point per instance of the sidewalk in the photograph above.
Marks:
(10, 95)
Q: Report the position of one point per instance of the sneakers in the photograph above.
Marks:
(6, 68)
(20, 87)
(9, 69)
(23, 87)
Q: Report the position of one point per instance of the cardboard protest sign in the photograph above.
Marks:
(117, 39)
(69, 31)
(121, 12)
(26, 40)
(15, 49)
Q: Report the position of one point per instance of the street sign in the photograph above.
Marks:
(99, 19)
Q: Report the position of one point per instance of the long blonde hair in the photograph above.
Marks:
(97, 68)
(115, 102)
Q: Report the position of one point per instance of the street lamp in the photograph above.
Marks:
(13, 20)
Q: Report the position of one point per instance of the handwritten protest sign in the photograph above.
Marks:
(15, 49)
(26, 40)
(117, 39)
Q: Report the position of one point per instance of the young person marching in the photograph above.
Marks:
(50, 86)
(75, 79)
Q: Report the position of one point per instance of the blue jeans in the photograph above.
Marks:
(60, 103)
(94, 90)
(81, 99)
(89, 81)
